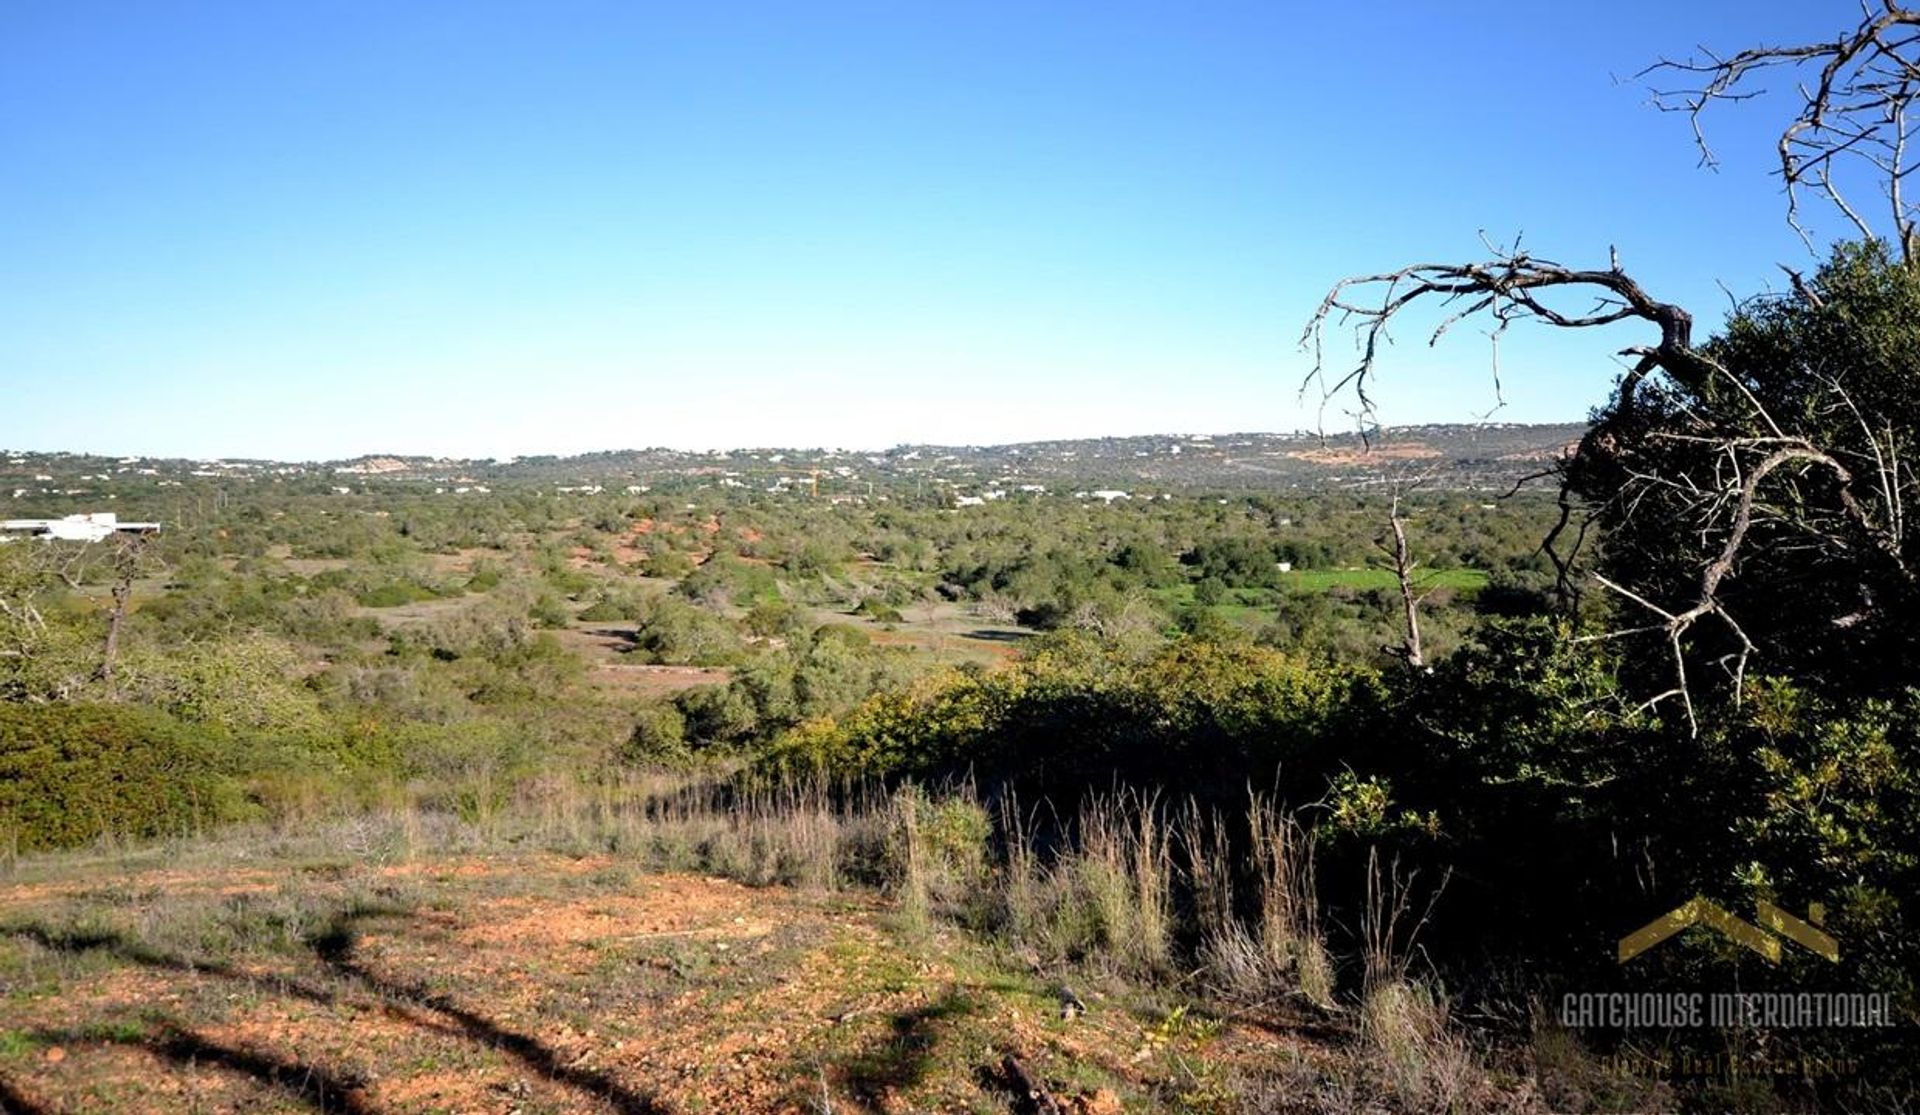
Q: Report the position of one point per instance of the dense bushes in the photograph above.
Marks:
(818, 674)
(1079, 713)
(1566, 814)
(70, 774)
(676, 633)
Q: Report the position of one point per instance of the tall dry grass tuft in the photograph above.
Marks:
(1404, 1022)
(907, 859)
(1023, 883)
(1152, 856)
(809, 832)
(1387, 938)
(1281, 948)
(1101, 873)
(1104, 895)
(1290, 936)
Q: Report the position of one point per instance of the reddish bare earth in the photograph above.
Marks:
(1347, 457)
(548, 983)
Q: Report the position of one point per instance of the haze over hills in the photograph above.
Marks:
(1484, 456)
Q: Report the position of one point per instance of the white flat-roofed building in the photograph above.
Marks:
(97, 526)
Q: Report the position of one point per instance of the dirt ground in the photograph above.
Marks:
(550, 983)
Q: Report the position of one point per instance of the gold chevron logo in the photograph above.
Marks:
(1760, 938)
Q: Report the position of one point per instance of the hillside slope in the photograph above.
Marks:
(547, 983)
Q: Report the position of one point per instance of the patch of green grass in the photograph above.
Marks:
(1320, 580)
(114, 1031)
(1241, 605)
(618, 879)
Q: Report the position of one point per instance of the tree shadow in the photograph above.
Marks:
(324, 1091)
(13, 1103)
(135, 952)
(998, 635)
(620, 640)
(903, 1057)
(336, 947)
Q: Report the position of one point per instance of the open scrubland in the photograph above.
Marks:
(389, 796)
(779, 954)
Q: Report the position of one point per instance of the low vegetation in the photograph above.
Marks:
(718, 795)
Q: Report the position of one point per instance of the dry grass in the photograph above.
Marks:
(1280, 950)
(1131, 899)
(1422, 1060)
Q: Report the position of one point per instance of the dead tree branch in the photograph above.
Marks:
(1404, 567)
(1509, 287)
(1722, 508)
(1856, 94)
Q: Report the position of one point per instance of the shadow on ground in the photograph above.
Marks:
(905, 1054)
(171, 1041)
(335, 946)
(998, 635)
(13, 1103)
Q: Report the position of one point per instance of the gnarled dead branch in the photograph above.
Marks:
(1722, 508)
(1856, 94)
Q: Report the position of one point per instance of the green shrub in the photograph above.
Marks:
(660, 734)
(1077, 714)
(879, 611)
(70, 774)
(677, 633)
(549, 610)
(486, 576)
(844, 633)
(605, 609)
(769, 618)
(670, 564)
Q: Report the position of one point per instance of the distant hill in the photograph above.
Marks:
(1453, 456)
(1485, 456)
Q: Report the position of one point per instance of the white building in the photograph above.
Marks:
(95, 527)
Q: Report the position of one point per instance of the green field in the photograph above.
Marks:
(1319, 580)
(1242, 603)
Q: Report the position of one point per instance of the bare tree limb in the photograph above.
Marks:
(1854, 96)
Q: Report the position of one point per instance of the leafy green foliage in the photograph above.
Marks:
(1820, 584)
(674, 632)
(1077, 713)
(72, 773)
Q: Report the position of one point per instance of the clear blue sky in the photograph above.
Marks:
(315, 230)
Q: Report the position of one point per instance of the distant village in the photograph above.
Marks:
(1109, 470)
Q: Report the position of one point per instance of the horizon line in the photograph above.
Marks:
(8, 451)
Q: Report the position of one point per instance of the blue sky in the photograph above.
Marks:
(316, 230)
